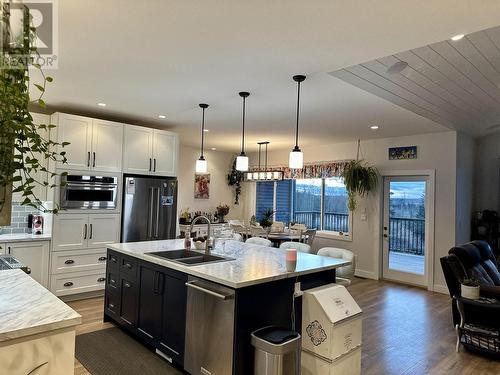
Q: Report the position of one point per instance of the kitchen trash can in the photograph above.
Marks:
(277, 351)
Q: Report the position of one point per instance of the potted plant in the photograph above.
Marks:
(234, 178)
(359, 179)
(221, 211)
(267, 219)
(470, 288)
(184, 216)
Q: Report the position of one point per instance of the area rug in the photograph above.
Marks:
(111, 351)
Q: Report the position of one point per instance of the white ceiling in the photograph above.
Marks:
(455, 83)
(145, 58)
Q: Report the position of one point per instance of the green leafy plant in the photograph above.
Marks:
(471, 281)
(234, 178)
(267, 218)
(22, 146)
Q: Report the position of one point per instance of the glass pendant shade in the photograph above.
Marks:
(242, 163)
(201, 166)
(296, 160)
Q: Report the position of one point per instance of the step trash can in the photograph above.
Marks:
(331, 332)
(277, 351)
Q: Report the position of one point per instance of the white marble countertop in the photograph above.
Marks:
(27, 308)
(21, 237)
(252, 264)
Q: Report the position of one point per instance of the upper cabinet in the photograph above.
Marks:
(150, 151)
(94, 144)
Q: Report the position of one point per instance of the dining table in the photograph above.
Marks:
(277, 238)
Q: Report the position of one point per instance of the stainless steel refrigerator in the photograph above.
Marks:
(149, 208)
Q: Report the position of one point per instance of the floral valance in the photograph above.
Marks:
(313, 170)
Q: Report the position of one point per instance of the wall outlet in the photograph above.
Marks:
(362, 217)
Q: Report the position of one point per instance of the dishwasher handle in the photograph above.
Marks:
(224, 297)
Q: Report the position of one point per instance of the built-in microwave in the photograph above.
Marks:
(88, 192)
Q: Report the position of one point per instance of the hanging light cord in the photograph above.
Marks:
(202, 131)
(243, 131)
(298, 110)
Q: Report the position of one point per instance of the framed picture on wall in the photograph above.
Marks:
(403, 153)
(201, 186)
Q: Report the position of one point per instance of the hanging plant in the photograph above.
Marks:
(234, 179)
(360, 179)
(24, 150)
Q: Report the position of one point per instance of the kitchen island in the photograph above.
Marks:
(200, 316)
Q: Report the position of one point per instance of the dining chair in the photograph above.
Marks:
(240, 229)
(299, 226)
(258, 231)
(347, 272)
(302, 247)
(278, 227)
(309, 236)
(259, 241)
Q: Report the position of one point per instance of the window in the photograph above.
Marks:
(319, 203)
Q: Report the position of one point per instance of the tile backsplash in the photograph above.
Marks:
(19, 222)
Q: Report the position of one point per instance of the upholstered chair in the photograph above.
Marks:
(346, 273)
(259, 241)
(302, 247)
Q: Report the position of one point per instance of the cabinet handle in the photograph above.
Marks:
(93, 163)
(88, 159)
(101, 279)
(102, 259)
(8, 249)
(154, 165)
(128, 265)
(112, 281)
(37, 367)
(69, 261)
(150, 164)
(85, 232)
(111, 305)
(113, 259)
(90, 236)
(68, 284)
(126, 285)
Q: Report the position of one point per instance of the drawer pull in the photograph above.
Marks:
(126, 285)
(101, 279)
(68, 284)
(128, 265)
(111, 305)
(113, 259)
(101, 259)
(112, 281)
(69, 261)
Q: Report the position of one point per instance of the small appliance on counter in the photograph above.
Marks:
(331, 332)
(37, 224)
(8, 262)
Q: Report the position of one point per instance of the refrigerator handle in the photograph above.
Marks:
(157, 213)
(150, 221)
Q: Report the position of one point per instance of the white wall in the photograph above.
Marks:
(466, 148)
(435, 151)
(487, 187)
(219, 164)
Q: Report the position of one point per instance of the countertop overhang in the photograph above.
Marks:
(23, 237)
(252, 264)
(27, 308)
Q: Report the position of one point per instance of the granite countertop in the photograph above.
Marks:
(27, 308)
(21, 237)
(252, 264)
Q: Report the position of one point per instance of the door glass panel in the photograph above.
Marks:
(407, 226)
(307, 198)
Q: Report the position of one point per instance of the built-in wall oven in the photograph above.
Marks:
(88, 192)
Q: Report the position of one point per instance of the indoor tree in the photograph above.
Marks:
(24, 151)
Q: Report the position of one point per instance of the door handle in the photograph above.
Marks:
(90, 235)
(93, 163)
(85, 232)
(157, 214)
(150, 223)
(192, 284)
(154, 165)
(88, 159)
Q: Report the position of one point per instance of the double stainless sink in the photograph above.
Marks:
(189, 257)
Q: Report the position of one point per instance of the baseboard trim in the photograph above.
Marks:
(365, 274)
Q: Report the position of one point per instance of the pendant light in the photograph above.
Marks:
(201, 163)
(242, 159)
(296, 160)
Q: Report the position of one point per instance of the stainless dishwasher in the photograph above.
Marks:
(209, 328)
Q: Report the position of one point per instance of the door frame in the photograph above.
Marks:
(429, 225)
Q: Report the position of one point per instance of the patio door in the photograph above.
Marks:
(406, 229)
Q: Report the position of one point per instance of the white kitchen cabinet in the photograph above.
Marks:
(3, 248)
(70, 231)
(82, 231)
(103, 229)
(33, 254)
(150, 151)
(165, 152)
(94, 144)
(137, 150)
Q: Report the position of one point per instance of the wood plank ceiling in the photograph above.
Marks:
(454, 83)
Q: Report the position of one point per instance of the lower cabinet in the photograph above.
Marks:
(150, 301)
(33, 254)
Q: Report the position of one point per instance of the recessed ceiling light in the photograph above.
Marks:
(206, 130)
(397, 67)
(374, 127)
(101, 104)
(214, 148)
(162, 116)
(457, 37)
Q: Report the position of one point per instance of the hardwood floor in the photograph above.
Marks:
(406, 330)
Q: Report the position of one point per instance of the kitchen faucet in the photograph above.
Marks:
(195, 220)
